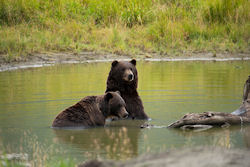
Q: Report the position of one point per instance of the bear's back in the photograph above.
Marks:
(84, 113)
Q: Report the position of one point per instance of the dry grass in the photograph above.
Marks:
(123, 27)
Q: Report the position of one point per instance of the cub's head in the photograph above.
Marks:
(124, 71)
(116, 105)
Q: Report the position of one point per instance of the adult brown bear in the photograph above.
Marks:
(123, 77)
(92, 111)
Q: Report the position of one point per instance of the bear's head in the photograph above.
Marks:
(115, 105)
(124, 71)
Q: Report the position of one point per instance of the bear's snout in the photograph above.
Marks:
(123, 113)
(128, 75)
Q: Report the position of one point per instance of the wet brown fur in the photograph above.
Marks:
(91, 111)
(117, 81)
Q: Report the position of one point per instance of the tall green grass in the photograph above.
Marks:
(227, 11)
(123, 26)
(128, 12)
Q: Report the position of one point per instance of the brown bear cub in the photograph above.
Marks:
(123, 77)
(92, 111)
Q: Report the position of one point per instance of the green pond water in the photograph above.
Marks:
(31, 98)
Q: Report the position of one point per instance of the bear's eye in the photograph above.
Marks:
(130, 68)
(123, 69)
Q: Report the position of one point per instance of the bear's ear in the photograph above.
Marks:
(118, 92)
(114, 63)
(108, 96)
(133, 61)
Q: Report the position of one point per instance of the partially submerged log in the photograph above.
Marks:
(239, 116)
(210, 118)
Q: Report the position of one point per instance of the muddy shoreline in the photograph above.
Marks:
(195, 157)
(41, 60)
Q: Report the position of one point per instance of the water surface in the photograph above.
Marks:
(31, 98)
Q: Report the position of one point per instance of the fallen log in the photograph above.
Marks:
(239, 116)
(210, 118)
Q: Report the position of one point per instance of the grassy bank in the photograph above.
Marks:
(123, 26)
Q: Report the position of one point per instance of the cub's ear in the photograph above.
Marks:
(114, 63)
(118, 92)
(108, 96)
(133, 61)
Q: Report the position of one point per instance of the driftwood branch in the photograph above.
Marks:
(210, 118)
(239, 116)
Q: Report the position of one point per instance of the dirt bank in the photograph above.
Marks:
(195, 157)
(40, 60)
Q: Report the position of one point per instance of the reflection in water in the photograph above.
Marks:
(223, 137)
(246, 132)
(117, 141)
